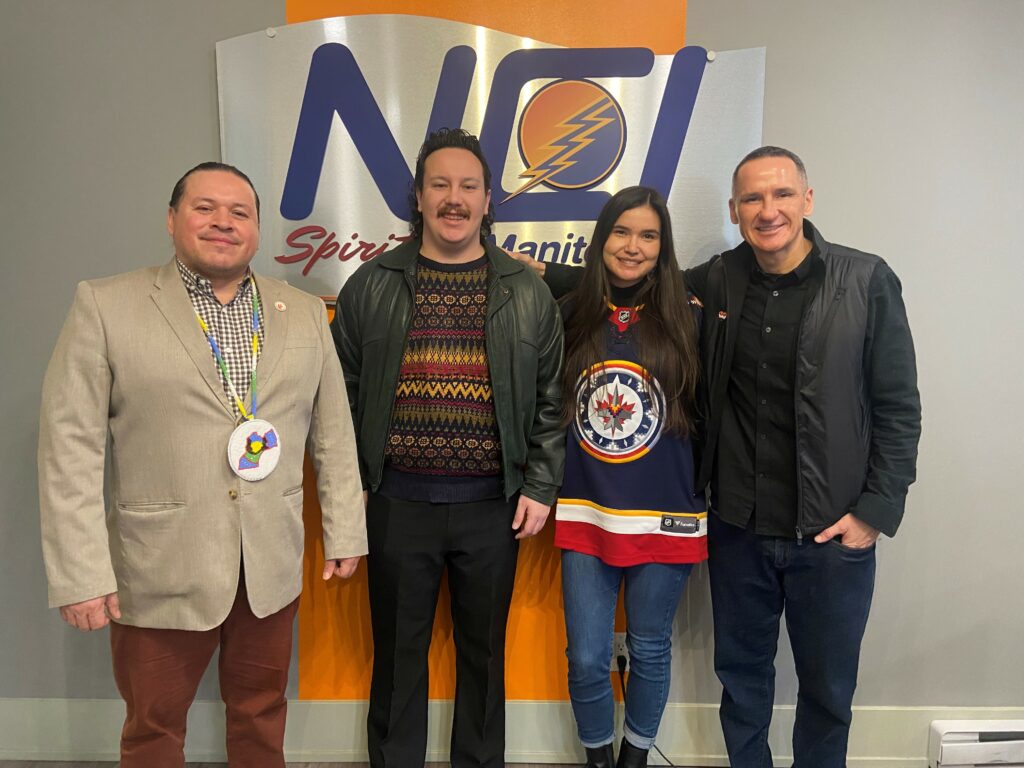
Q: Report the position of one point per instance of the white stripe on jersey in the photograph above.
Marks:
(629, 522)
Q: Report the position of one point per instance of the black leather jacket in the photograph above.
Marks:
(524, 354)
(858, 412)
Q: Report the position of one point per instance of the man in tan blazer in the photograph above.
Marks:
(191, 552)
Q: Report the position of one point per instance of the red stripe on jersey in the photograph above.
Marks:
(623, 551)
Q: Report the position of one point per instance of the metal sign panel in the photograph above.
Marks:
(327, 116)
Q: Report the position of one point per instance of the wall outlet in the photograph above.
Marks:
(619, 649)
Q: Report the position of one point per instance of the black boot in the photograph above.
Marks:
(600, 757)
(630, 756)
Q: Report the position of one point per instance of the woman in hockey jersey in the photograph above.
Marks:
(628, 511)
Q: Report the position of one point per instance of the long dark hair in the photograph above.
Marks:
(666, 335)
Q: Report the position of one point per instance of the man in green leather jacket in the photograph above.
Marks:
(452, 354)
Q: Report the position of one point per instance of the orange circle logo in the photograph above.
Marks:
(571, 136)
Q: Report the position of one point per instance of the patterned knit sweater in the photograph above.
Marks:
(628, 495)
(443, 429)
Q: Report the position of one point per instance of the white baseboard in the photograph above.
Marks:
(537, 732)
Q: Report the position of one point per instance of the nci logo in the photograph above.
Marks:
(571, 135)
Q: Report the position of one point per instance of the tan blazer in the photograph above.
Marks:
(132, 388)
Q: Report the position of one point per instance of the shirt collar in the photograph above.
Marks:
(796, 277)
(196, 282)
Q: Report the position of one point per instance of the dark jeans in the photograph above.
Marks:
(411, 543)
(825, 591)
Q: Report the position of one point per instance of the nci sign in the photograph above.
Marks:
(569, 141)
(328, 123)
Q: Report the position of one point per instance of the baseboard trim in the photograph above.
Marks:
(537, 732)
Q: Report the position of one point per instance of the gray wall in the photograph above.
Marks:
(103, 105)
(909, 116)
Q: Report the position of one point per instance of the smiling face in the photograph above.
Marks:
(215, 227)
(633, 246)
(453, 202)
(769, 202)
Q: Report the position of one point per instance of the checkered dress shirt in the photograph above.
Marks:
(231, 326)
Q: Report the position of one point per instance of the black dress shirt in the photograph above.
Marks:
(755, 482)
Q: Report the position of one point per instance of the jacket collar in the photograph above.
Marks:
(275, 320)
(173, 302)
(403, 257)
(811, 233)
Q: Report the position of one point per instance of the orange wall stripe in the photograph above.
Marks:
(335, 645)
(657, 24)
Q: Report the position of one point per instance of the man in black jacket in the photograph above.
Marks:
(812, 424)
(812, 431)
(452, 355)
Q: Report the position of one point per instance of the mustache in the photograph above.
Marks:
(444, 210)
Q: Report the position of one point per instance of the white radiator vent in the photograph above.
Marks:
(976, 743)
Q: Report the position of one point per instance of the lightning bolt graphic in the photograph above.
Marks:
(575, 136)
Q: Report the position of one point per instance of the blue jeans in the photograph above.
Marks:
(590, 590)
(825, 591)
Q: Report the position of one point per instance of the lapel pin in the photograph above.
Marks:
(722, 315)
(280, 306)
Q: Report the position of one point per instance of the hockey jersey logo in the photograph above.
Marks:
(620, 418)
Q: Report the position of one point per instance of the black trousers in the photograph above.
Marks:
(411, 543)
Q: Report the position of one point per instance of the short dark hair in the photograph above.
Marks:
(770, 151)
(211, 165)
(449, 138)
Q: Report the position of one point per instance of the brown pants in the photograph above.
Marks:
(158, 672)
